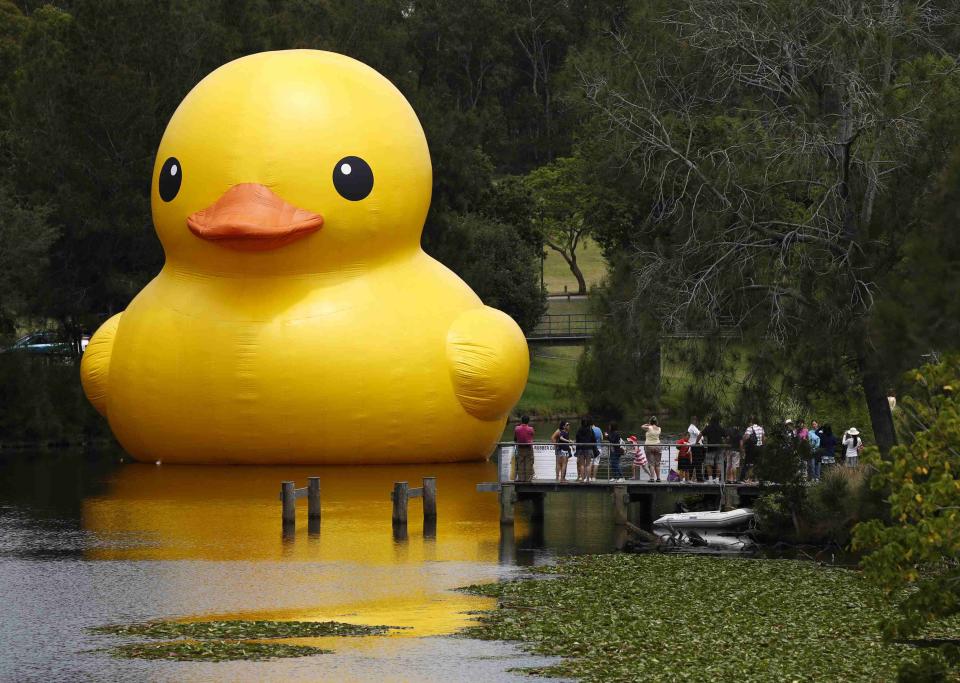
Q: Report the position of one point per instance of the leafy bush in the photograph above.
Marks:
(43, 402)
(915, 558)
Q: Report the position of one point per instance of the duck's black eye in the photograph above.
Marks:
(353, 178)
(171, 175)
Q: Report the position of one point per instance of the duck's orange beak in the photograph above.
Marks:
(250, 217)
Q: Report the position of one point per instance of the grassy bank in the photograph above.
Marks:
(667, 617)
(552, 384)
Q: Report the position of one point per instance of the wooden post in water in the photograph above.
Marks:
(289, 497)
(537, 502)
(429, 498)
(507, 496)
(646, 510)
(400, 503)
(313, 497)
(620, 501)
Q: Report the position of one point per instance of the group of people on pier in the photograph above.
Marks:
(713, 454)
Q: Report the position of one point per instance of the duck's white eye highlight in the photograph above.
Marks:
(345, 169)
(173, 170)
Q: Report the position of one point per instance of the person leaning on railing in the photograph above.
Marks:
(584, 439)
(523, 437)
(561, 447)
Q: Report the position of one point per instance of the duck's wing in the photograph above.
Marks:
(489, 362)
(95, 364)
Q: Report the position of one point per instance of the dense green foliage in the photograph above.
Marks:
(666, 617)
(780, 167)
(824, 512)
(42, 402)
(915, 558)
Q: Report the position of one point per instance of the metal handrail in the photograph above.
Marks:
(545, 462)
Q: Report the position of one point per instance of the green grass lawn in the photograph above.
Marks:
(551, 386)
(556, 272)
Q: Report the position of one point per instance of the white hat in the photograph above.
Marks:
(853, 431)
(788, 421)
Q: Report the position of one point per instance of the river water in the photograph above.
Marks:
(87, 540)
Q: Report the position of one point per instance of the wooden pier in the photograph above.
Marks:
(622, 493)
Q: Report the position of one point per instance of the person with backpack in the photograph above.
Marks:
(597, 449)
(828, 444)
(752, 443)
(853, 445)
(714, 436)
(561, 448)
(584, 439)
(616, 452)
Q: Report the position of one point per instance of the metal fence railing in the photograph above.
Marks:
(544, 461)
(566, 325)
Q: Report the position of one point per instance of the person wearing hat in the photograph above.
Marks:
(852, 444)
(640, 463)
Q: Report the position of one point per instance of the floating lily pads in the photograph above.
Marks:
(241, 629)
(214, 651)
(659, 617)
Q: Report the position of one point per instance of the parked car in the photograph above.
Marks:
(47, 343)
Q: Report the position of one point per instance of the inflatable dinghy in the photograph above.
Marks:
(706, 520)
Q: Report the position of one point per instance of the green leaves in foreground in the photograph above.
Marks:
(241, 630)
(214, 651)
(221, 641)
(660, 617)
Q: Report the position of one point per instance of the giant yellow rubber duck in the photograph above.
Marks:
(296, 318)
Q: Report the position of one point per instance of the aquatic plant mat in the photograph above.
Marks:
(217, 641)
(214, 651)
(665, 617)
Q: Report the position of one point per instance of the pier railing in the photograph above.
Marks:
(544, 460)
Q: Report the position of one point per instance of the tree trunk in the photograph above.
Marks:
(571, 260)
(878, 406)
(577, 273)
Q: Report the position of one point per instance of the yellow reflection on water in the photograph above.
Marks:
(233, 514)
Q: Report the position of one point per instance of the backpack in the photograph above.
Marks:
(751, 441)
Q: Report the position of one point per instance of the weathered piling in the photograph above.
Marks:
(400, 497)
(620, 502)
(313, 497)
(508, 496)
(289, 497)
(429, 499)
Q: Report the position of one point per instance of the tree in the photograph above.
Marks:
(26, 237)
(765, 139)
(915, 557)
(559, 210)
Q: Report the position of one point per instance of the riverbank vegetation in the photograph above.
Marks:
(913, 554)
(667, 617)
